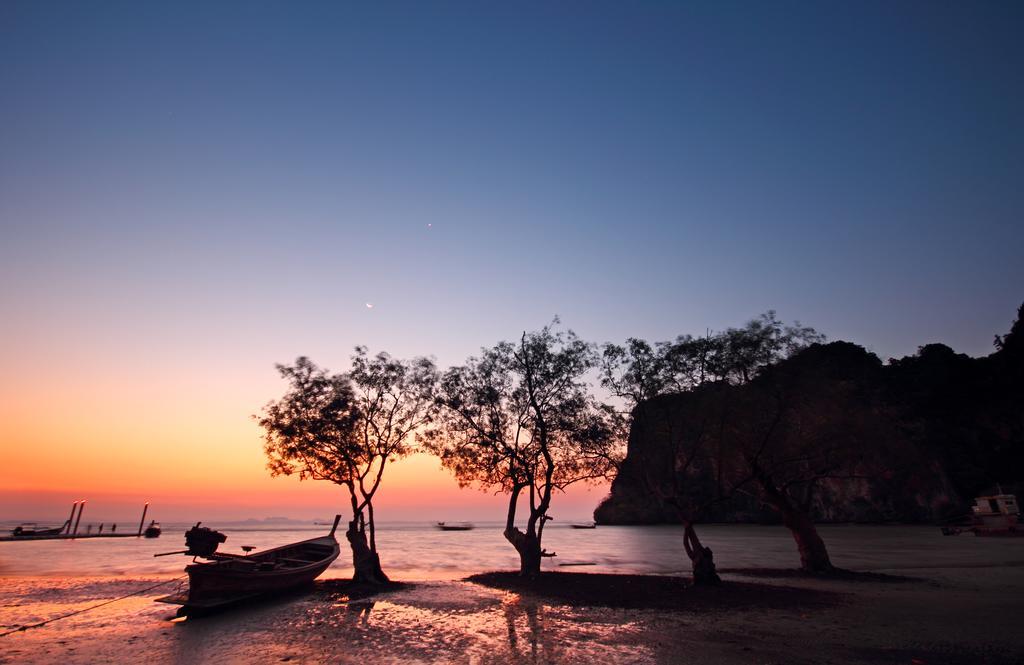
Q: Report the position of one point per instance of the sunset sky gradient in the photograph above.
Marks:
(190, 194)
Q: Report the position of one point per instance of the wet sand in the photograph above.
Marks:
(942, 615)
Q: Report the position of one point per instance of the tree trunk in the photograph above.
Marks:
(530, 552)
(365, 562)
(813, 553)
(701, 559)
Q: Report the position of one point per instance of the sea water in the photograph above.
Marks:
(420, 551)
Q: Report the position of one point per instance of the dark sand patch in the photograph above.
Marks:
(837, 575)
(952, 655)
(656, 592)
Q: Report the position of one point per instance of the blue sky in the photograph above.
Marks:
(191, 193)
(181, 177)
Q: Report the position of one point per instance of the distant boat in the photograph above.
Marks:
(29, 529)
(454, 526)
(153, 530)
(584, 525)
(226, 579)
(996, 515)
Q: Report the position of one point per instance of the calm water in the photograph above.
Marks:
(419, 551)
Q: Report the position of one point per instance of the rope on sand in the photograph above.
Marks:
(86, 609)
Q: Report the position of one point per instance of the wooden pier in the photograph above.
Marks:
(70, 529)
(68, 536)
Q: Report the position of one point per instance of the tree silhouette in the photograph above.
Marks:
(345, 429)
(810, 419)
(696, 446)
(521, 419)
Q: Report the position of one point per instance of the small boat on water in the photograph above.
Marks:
(153, 530)
(584, 525)
(995, 515)
(29, 529)
(455, 526)
(225, 579)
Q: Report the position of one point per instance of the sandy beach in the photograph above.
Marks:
(940, 615)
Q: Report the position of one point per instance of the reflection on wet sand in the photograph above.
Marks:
(461, 622)
(359, 612)
(514, 608)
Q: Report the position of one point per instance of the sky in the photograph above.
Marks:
(192, 193)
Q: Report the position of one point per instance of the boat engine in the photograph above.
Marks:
(203, 541)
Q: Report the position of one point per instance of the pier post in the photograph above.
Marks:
(81, 507)
(71, 518)
(143, 520)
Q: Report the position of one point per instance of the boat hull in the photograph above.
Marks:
(455, 526)
(985, 531)
(999, 533)
(228, 579)
(37, 532)
(206, 583)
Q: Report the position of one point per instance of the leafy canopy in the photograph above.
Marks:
(522, 416)
(345, 427)
(639, 371)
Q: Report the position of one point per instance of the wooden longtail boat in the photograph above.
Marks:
(30, 529)
(456, 526)
(225, 579)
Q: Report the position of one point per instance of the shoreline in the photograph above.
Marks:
(951, 615)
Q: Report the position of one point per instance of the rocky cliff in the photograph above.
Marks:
(929, 432)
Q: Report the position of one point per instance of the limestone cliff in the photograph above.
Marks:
(935, 429)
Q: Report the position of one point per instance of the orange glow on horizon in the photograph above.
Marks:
(204, 460)
(121, 431)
